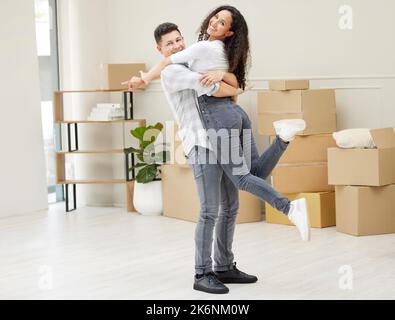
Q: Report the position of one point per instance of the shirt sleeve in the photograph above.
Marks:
(196, 51)
(177, 77)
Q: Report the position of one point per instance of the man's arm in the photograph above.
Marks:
(178, 77)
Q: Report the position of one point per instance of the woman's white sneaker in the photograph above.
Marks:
(299, 216)
(287, 129)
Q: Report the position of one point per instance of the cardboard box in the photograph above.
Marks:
(316, 107)
(181, 200)
(312, 148)
(301, 177)
(288, 84)
(366, 167)
(365, 210)
(111, 75)
(320, 205)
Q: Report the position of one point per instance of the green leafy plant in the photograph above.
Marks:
(149, 160)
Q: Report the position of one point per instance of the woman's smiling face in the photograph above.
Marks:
(219, 26)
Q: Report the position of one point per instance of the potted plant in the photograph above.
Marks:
(147, 197)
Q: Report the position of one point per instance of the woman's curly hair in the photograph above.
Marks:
(237, 47)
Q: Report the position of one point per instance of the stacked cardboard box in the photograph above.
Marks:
(303, 166)
(321, 206)
(316, 107)
(180, 197)
(365, 186)
(302, 170)
(181, 200)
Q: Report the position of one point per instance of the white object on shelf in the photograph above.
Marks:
(147, 198)
(103, 118)
(106, 112)
(108, 106)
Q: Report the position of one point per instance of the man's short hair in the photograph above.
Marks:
(163, 29)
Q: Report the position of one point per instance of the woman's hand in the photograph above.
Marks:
(210, 77)
(134, 83)
(144, 77)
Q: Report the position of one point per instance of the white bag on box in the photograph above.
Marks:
(354, 138)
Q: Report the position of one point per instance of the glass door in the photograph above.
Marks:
(47, 51)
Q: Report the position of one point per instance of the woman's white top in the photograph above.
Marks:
(203, 56)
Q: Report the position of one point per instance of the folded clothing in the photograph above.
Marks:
(354, 138)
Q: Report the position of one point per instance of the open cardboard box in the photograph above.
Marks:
(366, 167)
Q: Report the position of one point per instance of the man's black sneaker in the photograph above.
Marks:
(209, 283)
(235, 276)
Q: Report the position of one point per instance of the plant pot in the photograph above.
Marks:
(147, 198)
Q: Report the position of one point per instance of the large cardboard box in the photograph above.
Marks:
(320, 205)
(312, 148)
(364, 210)
(316, 107)
(112, 75)
(301, 177)
(181, 200)
(288, 84)
(366, 167)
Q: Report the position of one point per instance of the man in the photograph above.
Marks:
(182, 87)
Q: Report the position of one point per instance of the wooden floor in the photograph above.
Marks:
(105, 253)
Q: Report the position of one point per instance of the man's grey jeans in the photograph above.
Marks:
(218, 182)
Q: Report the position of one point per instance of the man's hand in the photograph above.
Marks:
(210, 77)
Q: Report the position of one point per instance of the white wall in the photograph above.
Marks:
(22, 162)
(289, 39)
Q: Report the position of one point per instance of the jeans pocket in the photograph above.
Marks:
(225, 117)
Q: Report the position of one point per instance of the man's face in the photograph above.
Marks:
(170, 43)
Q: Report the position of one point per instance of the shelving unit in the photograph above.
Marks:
(61, 155)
